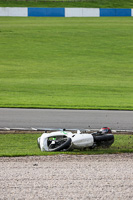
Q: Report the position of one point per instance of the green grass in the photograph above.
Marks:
(78, 63)
(26, 145)
(66, 3)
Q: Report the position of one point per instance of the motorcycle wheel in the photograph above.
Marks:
(104, 140)
(61, 145)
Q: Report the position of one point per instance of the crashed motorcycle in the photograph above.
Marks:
(64, 140)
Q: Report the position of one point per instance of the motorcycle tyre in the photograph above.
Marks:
(63, 146)
(104, 140)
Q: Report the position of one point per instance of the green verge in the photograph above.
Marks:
(26, 145)
(67, 3)
(72, 63)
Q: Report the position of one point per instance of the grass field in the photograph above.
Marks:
(26, 145)
(78, 63)
(66, 3)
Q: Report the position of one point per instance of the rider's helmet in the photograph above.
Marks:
(105, 130)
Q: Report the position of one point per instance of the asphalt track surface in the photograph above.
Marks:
(69, 119)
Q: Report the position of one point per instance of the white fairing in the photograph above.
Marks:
(44, 138)
(43, 142)
(78, 140)
(82, 140)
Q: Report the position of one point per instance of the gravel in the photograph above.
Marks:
(67, 177)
